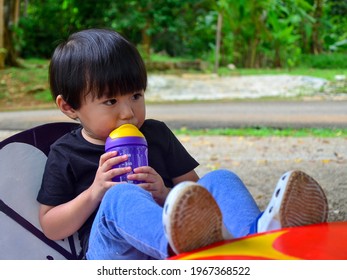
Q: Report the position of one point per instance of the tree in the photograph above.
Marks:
(218, 41)
(260, 33)
(2, 27)
(245, 20)
(10, 22)
(333, 26)
(151, 19)
(283, 21)
(316, 38)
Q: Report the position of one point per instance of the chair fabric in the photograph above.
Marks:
(22, 160)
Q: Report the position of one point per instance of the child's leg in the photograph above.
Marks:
(217, 208)
(128, 225)
(192, 218)
(193, 211)
(237, 205)
(297, 200)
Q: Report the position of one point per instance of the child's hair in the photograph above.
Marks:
(95, 61)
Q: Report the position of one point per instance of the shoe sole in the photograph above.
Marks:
(192, 218)
(298, 200)
(303, 206)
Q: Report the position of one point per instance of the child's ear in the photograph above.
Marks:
(66, 107)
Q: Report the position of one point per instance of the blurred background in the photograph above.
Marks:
(224, 37)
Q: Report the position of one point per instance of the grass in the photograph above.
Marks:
(266, 132)
(162, 58)
(22, 88)
(328, 74)
(26, 86)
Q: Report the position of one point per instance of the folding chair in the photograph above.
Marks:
(22, 161)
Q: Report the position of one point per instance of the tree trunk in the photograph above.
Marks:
(16, 6)
(146, 42)
(238, 49)
(2, 26)
(11, 22)
(277, 59)
(218, 40)
(253, 52)
(316, 41)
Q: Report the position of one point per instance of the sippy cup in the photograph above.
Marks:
(127, 139)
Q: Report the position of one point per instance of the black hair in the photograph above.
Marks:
(95, 61)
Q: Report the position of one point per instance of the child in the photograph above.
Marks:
(99, 78)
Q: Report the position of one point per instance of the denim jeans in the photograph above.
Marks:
(129, 225)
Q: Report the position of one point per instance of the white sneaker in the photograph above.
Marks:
(192, 218)
(297, 200)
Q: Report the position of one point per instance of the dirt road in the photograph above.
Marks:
(323, 113)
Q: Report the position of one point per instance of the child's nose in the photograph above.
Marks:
(126, 112)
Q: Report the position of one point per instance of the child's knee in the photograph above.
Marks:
(121, 191)
(222, 174)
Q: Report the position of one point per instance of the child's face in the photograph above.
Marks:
(100, 116)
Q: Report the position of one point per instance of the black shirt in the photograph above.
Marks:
(72, 164)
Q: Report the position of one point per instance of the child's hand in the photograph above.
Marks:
(153, 182)
(105, 173)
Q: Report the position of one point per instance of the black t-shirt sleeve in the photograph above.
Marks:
(70, 169)
(56, 187)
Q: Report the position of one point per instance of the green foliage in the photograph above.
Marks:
(334, 33)
(46, 23)
(325, 61)
(263, 33)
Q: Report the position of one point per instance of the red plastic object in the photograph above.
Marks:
(326, 241)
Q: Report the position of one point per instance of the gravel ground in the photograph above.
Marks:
(212, 87)
(260, 161)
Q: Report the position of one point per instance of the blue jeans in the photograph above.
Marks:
(129, 225)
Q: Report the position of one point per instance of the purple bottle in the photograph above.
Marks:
(127, 139)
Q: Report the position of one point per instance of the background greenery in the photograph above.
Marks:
(254, 34)
(300, 37)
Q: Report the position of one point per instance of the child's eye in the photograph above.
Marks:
(137, 95)
(110, 102)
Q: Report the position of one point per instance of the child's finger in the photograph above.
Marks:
(104, 157)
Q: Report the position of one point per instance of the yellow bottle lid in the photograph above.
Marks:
(126, 130)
